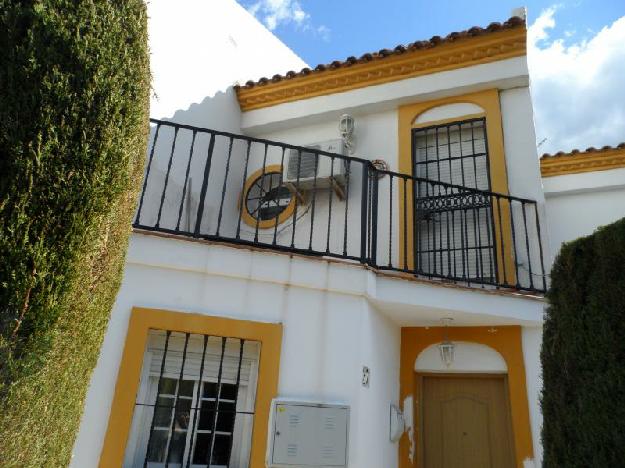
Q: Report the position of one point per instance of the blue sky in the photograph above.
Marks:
(336, 29)
(576, 50)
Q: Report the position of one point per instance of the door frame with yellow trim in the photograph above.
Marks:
(506, 340)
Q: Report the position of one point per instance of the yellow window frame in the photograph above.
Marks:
(141, 321)
(488, 100)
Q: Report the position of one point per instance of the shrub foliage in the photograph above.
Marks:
(74, 93)
(583, 353)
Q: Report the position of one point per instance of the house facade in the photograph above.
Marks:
(345, 266)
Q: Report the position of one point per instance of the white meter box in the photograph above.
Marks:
(305, 434)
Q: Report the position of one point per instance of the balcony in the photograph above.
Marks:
(218, 186)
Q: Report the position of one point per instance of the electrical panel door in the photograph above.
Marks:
(309, 434)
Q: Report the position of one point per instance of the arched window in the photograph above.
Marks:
(454, 234)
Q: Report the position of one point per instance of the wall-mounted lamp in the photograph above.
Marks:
(447, 347)
(346, 129)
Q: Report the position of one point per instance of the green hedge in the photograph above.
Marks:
(74, 97)
(583, 353)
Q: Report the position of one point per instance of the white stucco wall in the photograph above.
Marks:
(330, 332)
(504, 74)
(532, 338)
(524, 181)
(199, 47)
(520, 144)
(376, 137)
(577, 204)
(337, 318)
(315, 120)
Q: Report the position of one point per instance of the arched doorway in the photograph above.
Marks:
(464, 412)
(492, 351)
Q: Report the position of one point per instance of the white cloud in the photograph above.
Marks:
(274, 13)
(577, 88)
(323, 32)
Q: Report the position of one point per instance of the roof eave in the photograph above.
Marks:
(457, 50)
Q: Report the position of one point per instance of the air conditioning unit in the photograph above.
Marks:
(299, 170)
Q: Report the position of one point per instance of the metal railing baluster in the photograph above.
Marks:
(405, 220)
(203, 190)
(330, 207)
(147, 174)
(347, 172)
(223, 190)
(502, 241)
(262, 179)
(186, 180)
(515, 257)
(171, 159)
(416, 228)
(275, 226)
(242, 201)
(373, 229)
(527, 247)
(313, 202)
(449, 231)
(390, 223)
(540, 249)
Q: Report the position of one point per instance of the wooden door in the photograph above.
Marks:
(465, 422)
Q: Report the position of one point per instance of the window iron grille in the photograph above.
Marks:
(454, 231)
(195, 405)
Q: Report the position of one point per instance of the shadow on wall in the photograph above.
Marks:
(219, 112)
(182, 162)
(176, 163)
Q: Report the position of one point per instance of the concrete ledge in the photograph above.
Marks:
(407, 300)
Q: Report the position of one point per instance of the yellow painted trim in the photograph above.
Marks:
(489, 101)
(431, 123)
(266, 223)
(577, 163)
(487, 48)
(142, 320)
(506, 341)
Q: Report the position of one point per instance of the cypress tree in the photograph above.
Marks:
(583, 353)
(74, 97)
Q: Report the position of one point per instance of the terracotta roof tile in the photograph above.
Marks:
(589, 150)
(435, 41)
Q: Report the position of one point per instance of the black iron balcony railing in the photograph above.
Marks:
(233, 188)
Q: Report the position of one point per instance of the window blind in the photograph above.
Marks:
(453, 229)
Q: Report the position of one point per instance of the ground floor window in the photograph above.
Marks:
(195, 404)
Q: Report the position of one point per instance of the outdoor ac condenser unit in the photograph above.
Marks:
(299, 170)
